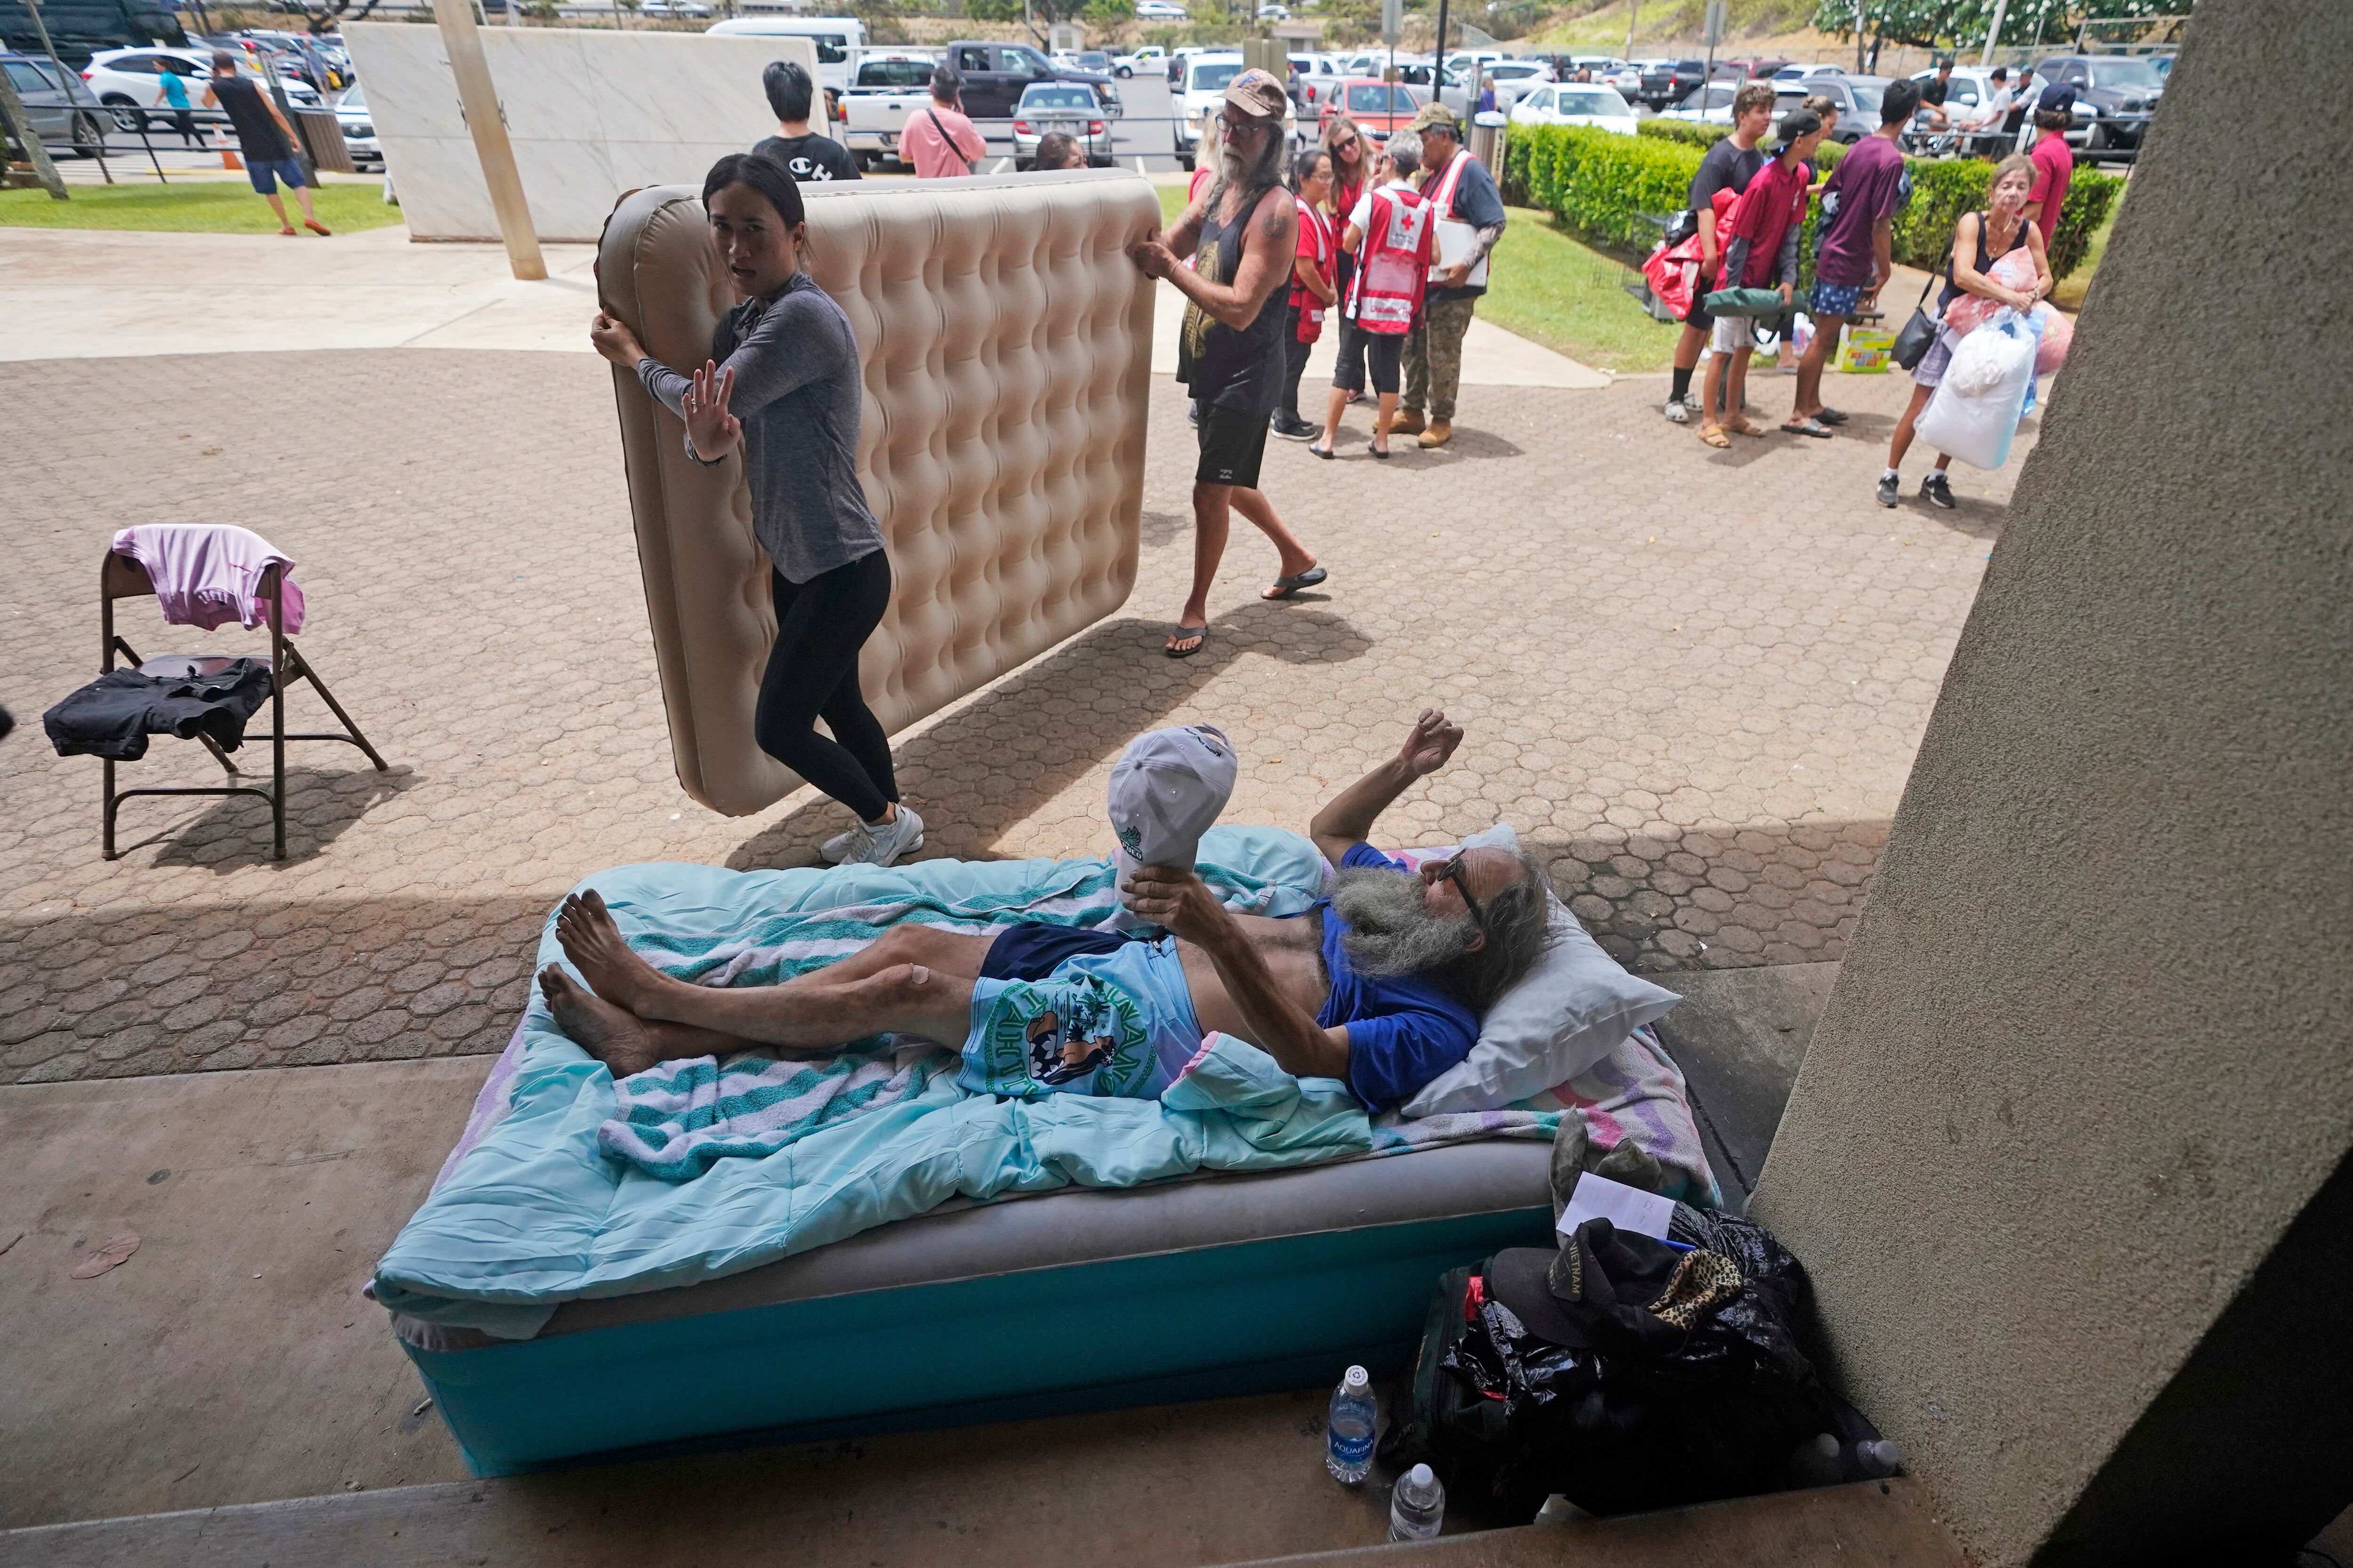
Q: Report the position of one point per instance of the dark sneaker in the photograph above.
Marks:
(1937, 490)
(1294, 429)
(1890, 490)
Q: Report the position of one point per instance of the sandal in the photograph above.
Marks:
(1809, 426)
(1715, 437)
(1831, 417)
(1741, 427)
(1376, 452)
(1200, 635)
(1286, 586)
(1323, 452)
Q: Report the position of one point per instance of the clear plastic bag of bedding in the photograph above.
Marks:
(1976, 410)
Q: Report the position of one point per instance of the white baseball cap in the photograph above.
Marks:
(1167, 789)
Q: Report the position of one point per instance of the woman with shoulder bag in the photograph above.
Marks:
(1979, 239)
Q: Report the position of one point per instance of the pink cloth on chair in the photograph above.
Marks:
(205, 572)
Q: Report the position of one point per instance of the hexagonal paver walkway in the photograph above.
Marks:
(1694, 680)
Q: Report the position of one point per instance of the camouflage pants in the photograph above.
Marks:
(1433, 355)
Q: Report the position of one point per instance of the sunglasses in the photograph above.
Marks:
(1455, 872)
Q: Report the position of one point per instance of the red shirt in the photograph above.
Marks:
(940, 143)
(2054, 166)
(1775, 199)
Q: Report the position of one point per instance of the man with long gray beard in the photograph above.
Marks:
(1380, 983)
(1242, 236)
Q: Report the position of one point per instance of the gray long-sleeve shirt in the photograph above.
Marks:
(796, 393)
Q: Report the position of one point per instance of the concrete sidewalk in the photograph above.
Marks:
(103, 293)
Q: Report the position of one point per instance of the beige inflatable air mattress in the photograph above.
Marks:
(1005, 343)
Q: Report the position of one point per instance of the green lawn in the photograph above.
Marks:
(207, 206)
(1553, 291)
(2069, 293)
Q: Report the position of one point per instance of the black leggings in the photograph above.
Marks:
(1294, 360)
(813, 670)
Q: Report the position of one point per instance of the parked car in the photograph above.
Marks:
(1709, 105)
(997, 74)
(2163, 66)
(51, 106)
(1096, 60)
(129, 79)
(1068, 107)
(1148, 56)
(1376, 107)
(359, 130)
(1206, 77)
(2115, 96)
(836, 38)
(1671, 81)
(1857, 97)
(1750, 70)
(1161, 11)
(890, 84)
(1971, 87)
(1272, 12)
(1575, 103)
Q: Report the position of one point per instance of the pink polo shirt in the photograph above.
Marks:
(935, 156)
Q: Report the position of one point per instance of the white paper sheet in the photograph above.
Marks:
(1628, 1209)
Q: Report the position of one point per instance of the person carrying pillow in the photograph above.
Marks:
(1380, 983)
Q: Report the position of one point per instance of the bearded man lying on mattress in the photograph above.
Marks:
(1380, 984)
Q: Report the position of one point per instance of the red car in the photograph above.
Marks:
(1378, 107)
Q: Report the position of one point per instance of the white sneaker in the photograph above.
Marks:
(838, 848)
(1677, 411)
(903, 835)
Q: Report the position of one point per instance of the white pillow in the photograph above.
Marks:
(1573, 1009)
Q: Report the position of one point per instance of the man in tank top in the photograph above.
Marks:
(1241, 236)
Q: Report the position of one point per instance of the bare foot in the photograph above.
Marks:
(608, 1033)
(593, 942)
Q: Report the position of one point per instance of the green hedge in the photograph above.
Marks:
(1596, 182)
(1689, 131)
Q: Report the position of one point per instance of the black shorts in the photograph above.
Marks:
(1698, 315)
(1360, 351)
(1233, 443)
(1033, 949)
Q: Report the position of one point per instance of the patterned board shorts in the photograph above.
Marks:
(1119, 1023)
(1833, 299)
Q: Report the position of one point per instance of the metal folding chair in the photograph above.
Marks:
(122, 577)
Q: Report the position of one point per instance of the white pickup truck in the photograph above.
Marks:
(889, 85)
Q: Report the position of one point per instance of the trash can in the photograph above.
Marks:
(323, 136)
(1487, 139)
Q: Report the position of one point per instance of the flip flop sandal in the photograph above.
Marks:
(1831, 417)
(1286, 586)
(1715, 437)
(1200, 635)
(1814, 427)
(1323, 452)
(1376, 452)
(1745, 429)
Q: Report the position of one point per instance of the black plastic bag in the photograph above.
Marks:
(1616, 1407)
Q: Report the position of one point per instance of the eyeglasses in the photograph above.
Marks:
(1455, 872)
(1347, 147)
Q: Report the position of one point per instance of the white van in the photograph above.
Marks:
(836, 38)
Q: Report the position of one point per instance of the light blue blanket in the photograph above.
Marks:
(535, 1208)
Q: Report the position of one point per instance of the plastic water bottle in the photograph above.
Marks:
(1349, 1440)
(1416, 1505)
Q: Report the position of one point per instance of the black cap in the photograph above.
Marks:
(2057, 98)
(1798, 123)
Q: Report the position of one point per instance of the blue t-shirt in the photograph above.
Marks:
(1403, 1030)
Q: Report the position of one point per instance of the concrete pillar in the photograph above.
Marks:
(2067, 1157)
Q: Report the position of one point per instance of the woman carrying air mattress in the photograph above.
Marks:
(782, 385)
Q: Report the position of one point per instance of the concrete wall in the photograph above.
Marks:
(592, 113)
(2091, 1053)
